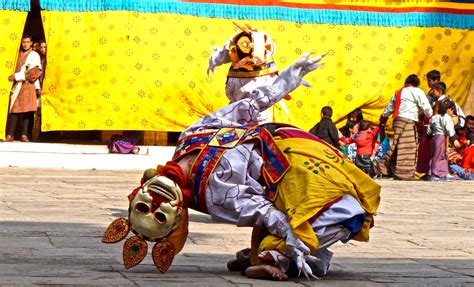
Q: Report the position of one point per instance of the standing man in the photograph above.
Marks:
(424, 146)
(23, 103)
(401, 159)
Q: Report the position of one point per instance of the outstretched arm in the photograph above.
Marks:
(219, 57)
(264, 97)
(245, 111)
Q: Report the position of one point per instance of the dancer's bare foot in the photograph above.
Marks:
(268, 272)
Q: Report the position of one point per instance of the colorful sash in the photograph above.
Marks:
(212, 147)
(398, 100)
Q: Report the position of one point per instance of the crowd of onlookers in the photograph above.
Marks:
(432, 138)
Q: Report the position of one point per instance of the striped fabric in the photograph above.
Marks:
(400, 160)
(372, 13)
(26, 100)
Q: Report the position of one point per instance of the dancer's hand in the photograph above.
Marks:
(213, 60)
(278, 224)
(292, 76)
(301, 255)
(304, 65)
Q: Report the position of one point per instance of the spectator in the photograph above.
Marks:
(41, 50)
(353, 117)
(23, 102)
(468, 153)
(400, 160)
(424, 149)
(347, 148)
(365, 142)
(326, 129)
(35, 47)
(351, 127)
(440, 126)
(464, 166)
(469, 131)
(433, 76)
(424, 153)
(439, 93)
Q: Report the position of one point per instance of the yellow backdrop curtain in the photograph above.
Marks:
(115, 70)
(11, 29)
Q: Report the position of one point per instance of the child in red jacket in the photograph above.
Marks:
(468, 153)
(365, 142)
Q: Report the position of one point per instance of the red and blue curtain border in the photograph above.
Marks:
(284, 11)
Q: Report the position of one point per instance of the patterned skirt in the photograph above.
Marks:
(400, 160)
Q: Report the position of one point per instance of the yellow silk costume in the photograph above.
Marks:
(319, 174)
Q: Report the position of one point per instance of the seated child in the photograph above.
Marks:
(326, 129)
(464, 168)
(383, 143)
(468, 161)
(466, 135)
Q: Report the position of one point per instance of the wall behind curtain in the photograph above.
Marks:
(114, 70)
(11, 29)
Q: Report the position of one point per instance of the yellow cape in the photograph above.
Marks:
(319, 174)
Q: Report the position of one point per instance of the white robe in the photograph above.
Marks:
(240, 88)
(234, 194)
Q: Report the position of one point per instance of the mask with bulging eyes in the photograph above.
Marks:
(251, 47)
(156, 214)
(156, 209)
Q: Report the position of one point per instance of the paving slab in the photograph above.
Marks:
(52, 220)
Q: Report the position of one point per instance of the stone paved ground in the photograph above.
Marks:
(51, 223)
